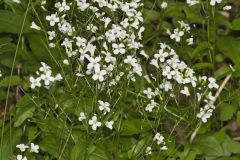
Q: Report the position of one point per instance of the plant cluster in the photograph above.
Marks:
(107, 86)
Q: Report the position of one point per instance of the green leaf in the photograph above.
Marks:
(38, 46)
(138, 148)
(222, 72)
(191, 156)
(200, 50)
(15, 80)
(11, 138)
(231, 48)
(12, 22)
(202, 66)
(225, 111)
(136, 126)
(50, 145)
(207, 145)
(79, 150)
(236, 24)
(231, 146)
(221, 135)
(24, 109)
(100, 153)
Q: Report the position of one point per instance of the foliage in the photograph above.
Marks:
(49, 114)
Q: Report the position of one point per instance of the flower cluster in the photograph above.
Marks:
(175, 70)
(103, 107)
(45, 77)
(22, 147)
(121, 40)
(182, 29)
(206, 111)
(104, 50)
(212, 2)
(160, 141)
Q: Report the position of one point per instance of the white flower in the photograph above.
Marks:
(167, 72)
(185, 91)
(192, 2)
(81, 116)
(47, 78)
(166, 86)
(0, 73)
(22, 147)
(94, 123)
(45, 68)
(148, 150)
(109, 124)
(213, 2)
(104, 106)
(177, 35)
(17, 1)
(34, 148)
(106, 20)
(189, 41)
(58, 77)
(62, 7)
(118, 48)
(34, 26)
(164, 5)
(227, 8)
(93, 63)
(35, 82)
(82, 4)
(52, 19)
(204, 114)
(51, 34)
(164, 148)
(92, 28)
(99, 74)
(161, 55)
(154, 62)
(52, 45)
(149, 93)
(150, 106)
(199, 96)
(130, 60)
(159, 138)
(212, 83)
(66, 62)
(20, 157)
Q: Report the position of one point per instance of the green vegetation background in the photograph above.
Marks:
(217, 46)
